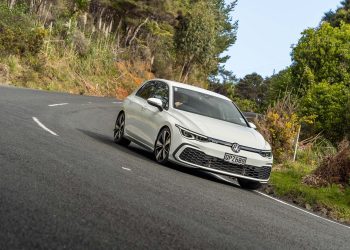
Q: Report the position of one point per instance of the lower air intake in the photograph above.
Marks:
(198, 157)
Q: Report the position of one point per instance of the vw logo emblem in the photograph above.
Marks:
(235, 147)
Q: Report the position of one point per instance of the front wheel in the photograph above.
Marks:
(162, 146)
(247, 184)
(119, 130)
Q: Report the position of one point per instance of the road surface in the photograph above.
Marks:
(65, 184)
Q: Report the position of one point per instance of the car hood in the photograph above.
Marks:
(222, 130)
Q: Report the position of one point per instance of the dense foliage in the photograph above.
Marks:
(330, 103)
(112, 46)
(202, 35)
(253, 88)
(322, 54)
(19, 35)
(341, 15)
(321, 77)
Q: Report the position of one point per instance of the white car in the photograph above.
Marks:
(195, 128)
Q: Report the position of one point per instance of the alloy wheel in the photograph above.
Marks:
(119, 127)
(162, 146)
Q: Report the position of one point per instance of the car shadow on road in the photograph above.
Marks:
(108, 140)
(137, 151)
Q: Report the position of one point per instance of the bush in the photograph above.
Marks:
(336, 168)
(311, 151)
(18, 33)
(280, 126)
(4, 73)
(81, 44)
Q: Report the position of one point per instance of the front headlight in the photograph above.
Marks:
(188, 134)
(266, 154)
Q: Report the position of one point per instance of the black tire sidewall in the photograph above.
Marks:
(248, 184)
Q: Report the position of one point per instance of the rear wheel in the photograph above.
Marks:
(247, 184)
(162, 146)
(119, 130)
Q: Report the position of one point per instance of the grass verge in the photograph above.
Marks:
(332, 201)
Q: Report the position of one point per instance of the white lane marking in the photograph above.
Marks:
(117, 102)
(128, 169)
(44, 127)
(57, 104)
(298, 208)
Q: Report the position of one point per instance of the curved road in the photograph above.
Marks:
(78, 190)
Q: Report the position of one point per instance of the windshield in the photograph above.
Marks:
(207, 105)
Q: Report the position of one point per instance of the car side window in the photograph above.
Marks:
(162, 92)
(146, 90)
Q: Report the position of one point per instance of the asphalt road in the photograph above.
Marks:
(78, 190)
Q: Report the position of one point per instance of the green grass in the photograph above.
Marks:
(287, 183)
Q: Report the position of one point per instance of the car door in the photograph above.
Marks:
(135, 110)
(153, 119)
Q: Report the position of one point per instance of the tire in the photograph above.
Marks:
(247, 184)
(162, 146)
(119, 127)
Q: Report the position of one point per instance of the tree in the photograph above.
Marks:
(252, 87)
(279, 85)
(226, 27)
(342, 14)
(202, 35)
(321, 78)
(195, 38)
(331, 104)
(322, 54)
(226, 89)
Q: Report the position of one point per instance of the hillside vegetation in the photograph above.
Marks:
(108, 47)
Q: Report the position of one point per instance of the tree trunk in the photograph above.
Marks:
(182, 71)
(137, 31)
(11, 4)
(186, 69)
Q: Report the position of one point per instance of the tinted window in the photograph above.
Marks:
(162, 92)
(146, 91)
(207, 105)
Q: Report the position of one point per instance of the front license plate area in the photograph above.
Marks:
(235, 159)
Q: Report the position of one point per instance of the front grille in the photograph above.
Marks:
(198, 157)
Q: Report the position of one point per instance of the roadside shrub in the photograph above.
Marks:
(312, 150)
(280, 126)
(4, 73)
(336, 168)
(81, 43)
(18, 33)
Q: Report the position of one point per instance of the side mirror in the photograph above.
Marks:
(252, 125)
(156, 103)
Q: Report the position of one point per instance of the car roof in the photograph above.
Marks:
(191, 87)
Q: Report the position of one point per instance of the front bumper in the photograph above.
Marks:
(210, 158)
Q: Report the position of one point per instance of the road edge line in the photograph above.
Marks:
(43, 126)
(300, 209)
